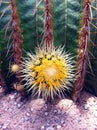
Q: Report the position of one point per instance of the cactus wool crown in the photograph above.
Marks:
(48, 73)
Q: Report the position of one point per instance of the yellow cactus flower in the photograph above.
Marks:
(50, 74)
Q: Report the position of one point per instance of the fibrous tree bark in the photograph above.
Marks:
(84, 36)
(17, 39)
(48, 25)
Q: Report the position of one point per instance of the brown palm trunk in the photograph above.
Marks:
(84, 36)
(17, 39)
(48, 25)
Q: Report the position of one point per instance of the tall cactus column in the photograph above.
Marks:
(84, 36)
(17, 42)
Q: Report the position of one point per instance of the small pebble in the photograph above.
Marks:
(58, 127)
(0, 126)
(15, 103)
(50, 128)
(46, 113)
(55, 111)
(42, 127)
(31, 109)
(10, 110)
(86, 107)
(28, 114)
(6, 109)
(79, 120)
(27, 118)
(48, 124)
(63, 112)
(11, 97)
(59, 112)
(19, 105)
(62, 121)
(95, 114)
(57, 120)
(4, 127)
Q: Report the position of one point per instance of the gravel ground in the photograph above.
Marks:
(34, 114)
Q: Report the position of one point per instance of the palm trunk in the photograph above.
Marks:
(17, 39)
(48, 26)
(83, 49)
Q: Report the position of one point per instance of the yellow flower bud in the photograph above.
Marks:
(14, 68)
